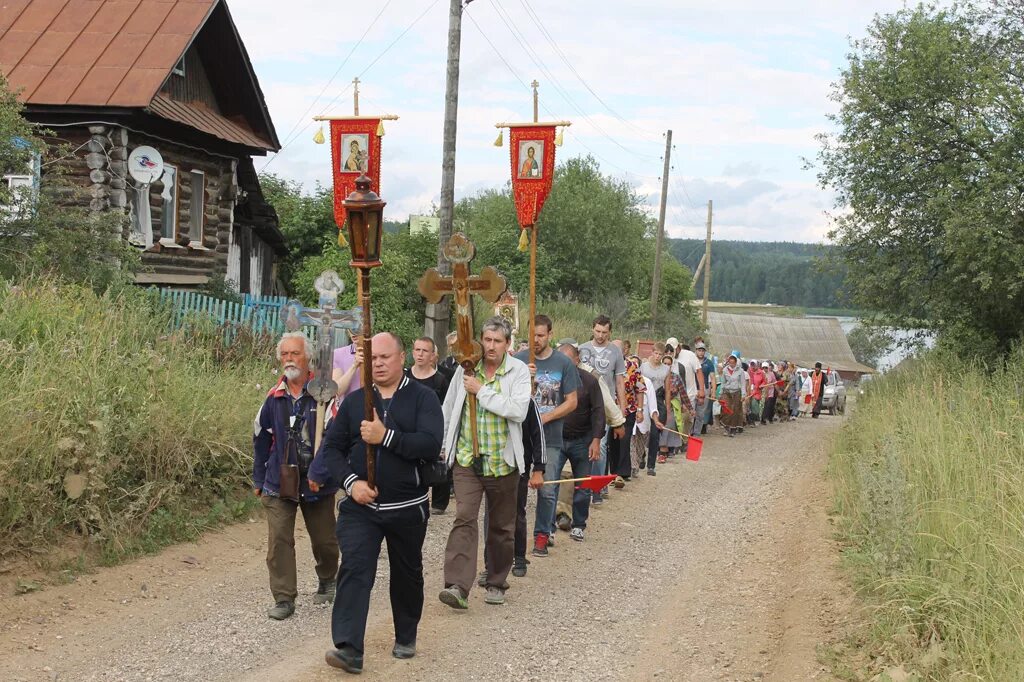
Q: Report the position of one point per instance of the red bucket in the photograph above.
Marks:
(693, 448)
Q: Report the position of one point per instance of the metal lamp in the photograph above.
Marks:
(365, 212)
(365, 221)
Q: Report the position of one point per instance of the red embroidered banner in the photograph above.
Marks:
(355, 148)
(532, 152)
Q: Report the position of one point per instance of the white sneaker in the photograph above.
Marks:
(577, 534)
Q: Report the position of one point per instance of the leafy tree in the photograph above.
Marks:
(870, 343)
(306, 220)
(50, 228)
(929, 173)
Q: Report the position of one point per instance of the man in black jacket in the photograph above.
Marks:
(406, 432)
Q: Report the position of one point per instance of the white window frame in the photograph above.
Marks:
(170, 242)
(29, 179)
(196, 175)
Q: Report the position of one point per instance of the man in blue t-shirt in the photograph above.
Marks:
(707, 366)
(555, 382)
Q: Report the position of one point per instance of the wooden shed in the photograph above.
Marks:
(108, 76)
(803, 340)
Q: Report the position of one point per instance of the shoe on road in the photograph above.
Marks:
(404, 651)
(577, 534)
(519, 566)
(453, 597)
(619, 483)
(346, 658)
(495, 596)
(540, 544)
(437, 511)
(325, 592)
(652, 472)
(662, 459)
(481, 579)
(281, 610)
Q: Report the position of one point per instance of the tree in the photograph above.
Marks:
(49, 228)
(306, 220)
(929, 174)
(870, 343)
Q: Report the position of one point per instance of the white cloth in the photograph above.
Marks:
(688, 360)
(645, 425)
(513, 403)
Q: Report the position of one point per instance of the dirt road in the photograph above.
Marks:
(717, 570)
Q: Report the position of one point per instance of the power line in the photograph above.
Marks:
(359, 75)
(535, 58)
(305, 114)
(551, 41)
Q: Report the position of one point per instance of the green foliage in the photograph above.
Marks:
(50, 229)
(780, 273)
(927, 163)
(158, 428)
(306, 220)
(928, 483)
(397, 304)
(869, 343)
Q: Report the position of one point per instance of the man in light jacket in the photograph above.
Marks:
(502, 388)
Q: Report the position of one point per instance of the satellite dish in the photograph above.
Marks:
(145, 165)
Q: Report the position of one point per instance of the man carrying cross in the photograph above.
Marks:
(501, 386)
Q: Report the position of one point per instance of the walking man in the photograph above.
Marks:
(406, 433)
(284, 432)
(818, 382)
(707, 368)
(501, 385)
(607, 359)
(555, 394)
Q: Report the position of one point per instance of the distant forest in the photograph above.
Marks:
(780, 273)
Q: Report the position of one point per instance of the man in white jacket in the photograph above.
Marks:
(501, 385)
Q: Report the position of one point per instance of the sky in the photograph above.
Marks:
(744, 86)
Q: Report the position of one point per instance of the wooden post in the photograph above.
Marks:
(533, 288)
(536, 103)
(656, 277)
(437, 314)
(707, 267)
(355, 96)
(367, 372)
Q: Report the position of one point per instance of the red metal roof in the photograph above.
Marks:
(95, 52)
(201, 117)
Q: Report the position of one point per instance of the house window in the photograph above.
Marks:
(21, 189)
(197, 209)
(169, 215)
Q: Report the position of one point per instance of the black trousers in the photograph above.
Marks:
(441, 494)
(360, 533)
(768, 413)
(619, 462)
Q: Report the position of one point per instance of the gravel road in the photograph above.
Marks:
(717, 570)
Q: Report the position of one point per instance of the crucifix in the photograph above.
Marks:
(326, 319)
(488, 285)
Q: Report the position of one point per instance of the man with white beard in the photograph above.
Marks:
(284, 433)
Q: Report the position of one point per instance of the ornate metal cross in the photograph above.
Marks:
(326, 319)
(488, 285)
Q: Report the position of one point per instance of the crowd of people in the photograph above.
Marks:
(502, 427)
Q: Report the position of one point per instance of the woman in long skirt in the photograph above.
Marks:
(734, 388)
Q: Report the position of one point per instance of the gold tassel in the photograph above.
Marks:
(319, 137)
(558, 138)
(500, 142)
(341, 238)
(524, 242)
(380, 128)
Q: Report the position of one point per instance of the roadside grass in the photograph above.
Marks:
(929, 484)
(119, 438)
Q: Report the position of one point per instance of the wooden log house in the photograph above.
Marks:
(107, 76)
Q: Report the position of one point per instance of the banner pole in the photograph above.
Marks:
(533, 288)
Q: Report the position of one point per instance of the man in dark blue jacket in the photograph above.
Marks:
(406, 433)
(289, 411)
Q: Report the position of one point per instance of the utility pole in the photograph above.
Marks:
(437, 314)
(656, 278)
(707, 266)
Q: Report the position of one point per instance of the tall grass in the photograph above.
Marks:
(156, 426)
(929, 480)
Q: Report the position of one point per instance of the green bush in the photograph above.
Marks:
(929, 481)
(115, 430)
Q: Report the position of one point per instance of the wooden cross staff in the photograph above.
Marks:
(488, 285)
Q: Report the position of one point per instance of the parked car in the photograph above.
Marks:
(834, 399)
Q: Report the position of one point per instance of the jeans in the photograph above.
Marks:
(709, 413)
(652, 446)
(577, 453)
(600, 466)
(547, 496)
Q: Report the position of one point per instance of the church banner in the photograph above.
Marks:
(532, 153)
(355, 149)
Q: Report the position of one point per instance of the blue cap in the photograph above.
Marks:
(735, 354)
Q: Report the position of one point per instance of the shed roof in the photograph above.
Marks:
(804, 340)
